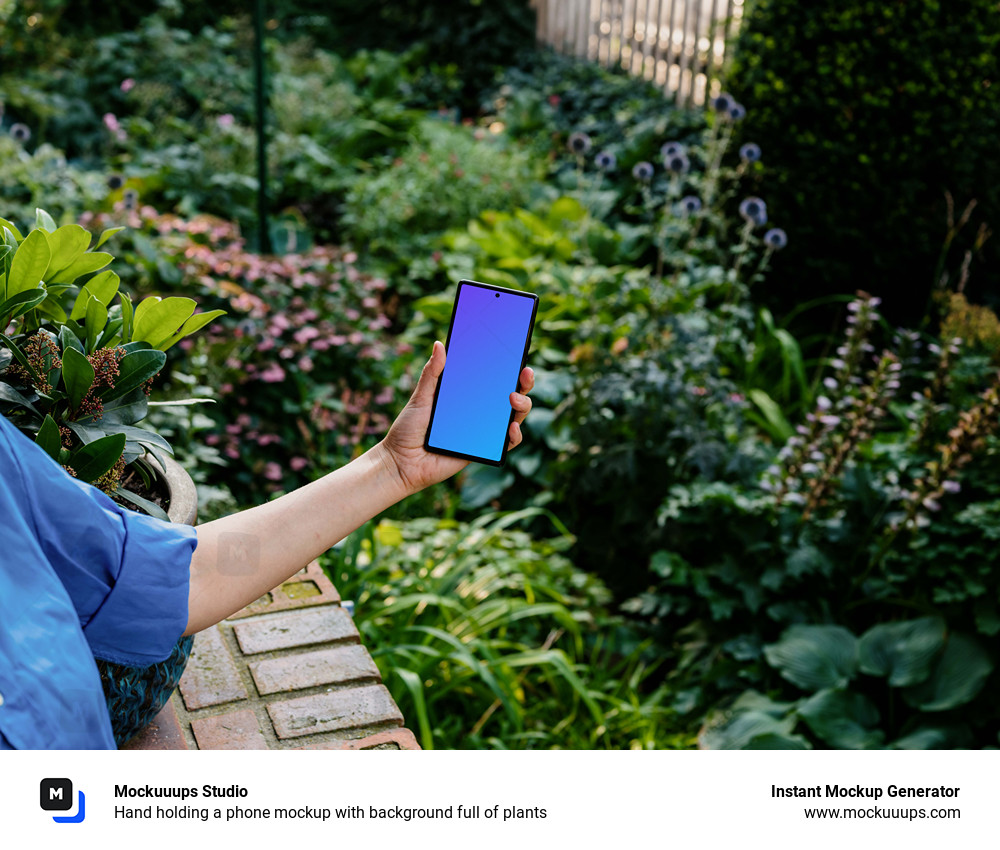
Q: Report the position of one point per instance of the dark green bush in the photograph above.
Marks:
(867, 115)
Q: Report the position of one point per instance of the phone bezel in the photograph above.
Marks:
(524, 358)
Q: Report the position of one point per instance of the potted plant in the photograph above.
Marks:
(77, 361)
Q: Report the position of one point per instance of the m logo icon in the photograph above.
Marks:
(56, 795)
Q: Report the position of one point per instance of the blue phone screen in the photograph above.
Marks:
(486, 347)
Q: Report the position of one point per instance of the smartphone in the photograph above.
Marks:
(487, 347)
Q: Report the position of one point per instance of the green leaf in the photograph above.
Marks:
(778, 425)
(126, 410)
(102, 286)
(844, 720)
(44, 221)
(742, 728)
(959, 675)
(91, 461)
(17, 233)
(150, 508)
(66, 245)
(157, 322)
(815, 657)
(18, 355)
(90, 262)
(68, 339)
(106, 235)
(903, 652)
(195, 323)
(9, 394)
(415, 686)
(29, 264)
(21, 304)
(97, 318)
(78, 375)
(127, 317)
(49, 438)
(135, 369)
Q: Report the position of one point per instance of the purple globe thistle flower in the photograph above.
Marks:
(776, 239)
(737, 112)
(678, 164)
(579, 143)
(750, 152)
(20, 133)
(723, 103)
(605, 161)
(673, 149)
(689, 205)
(754, 210)
(115, 181)
(643, 171)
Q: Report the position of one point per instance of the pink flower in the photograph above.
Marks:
(303, 335)
(225, 389)
(298, 464)
(127, 85)
(273, 374)
(265, 344)
(320, 345)
(111, 122)
(272, 472)
(225, 120)
(306, 364)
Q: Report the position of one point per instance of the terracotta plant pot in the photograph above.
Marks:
(135, 695)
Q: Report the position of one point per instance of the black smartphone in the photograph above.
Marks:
(487, 347)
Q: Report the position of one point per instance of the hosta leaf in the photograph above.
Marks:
(740, 730)
(78, 375)
(29, 264)
(91, 461)
(902, 652)
(958, 676)
(815, 657)
(844, 720)
(135, 369)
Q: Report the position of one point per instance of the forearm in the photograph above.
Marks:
(241, 557)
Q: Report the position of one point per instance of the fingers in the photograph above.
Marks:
(514, 435)
(526, 382)
(424, 392)
(521, 404)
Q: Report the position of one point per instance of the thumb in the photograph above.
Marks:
(424, 392)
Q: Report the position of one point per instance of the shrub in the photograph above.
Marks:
(489, 638)
(868, 115)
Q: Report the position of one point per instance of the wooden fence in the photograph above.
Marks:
(679, 44)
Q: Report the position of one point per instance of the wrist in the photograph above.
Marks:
(387, 466)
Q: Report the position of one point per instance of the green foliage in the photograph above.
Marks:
(446, 178)
(75, 369)
(490, 638)
(868, 114)
(899, 686)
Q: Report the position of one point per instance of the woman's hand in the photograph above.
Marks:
(404, 444)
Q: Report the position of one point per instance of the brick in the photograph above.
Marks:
(394, 739)
(237, 730)
(307, 588)
(310, 669)
(334, 711)
(163, 733)
(211, 677)
(295, 628)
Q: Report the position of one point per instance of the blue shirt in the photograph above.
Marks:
(80, 577)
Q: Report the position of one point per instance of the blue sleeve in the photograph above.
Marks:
(126, 574)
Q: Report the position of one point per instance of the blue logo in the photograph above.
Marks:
(56, 795)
